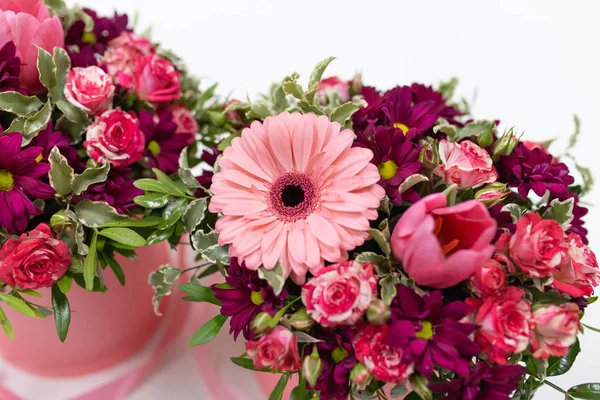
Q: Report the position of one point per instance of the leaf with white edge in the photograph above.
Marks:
(449, 130)
(124, 235)
(388, 288)
(317, 73)
(194, 214)
(162, 281)
(304, 337)
(199, 293)
(17, 125)
(90, 265)
(172, 213)
(153, 200)
(63, 66)
(36, 122)
(160, 235)
(172, 188)
(19, 104)
(216, 254)
(46, 68)
(381, 240)
(150, 185)
(225, 143)
(136, 223)
(6, 325)
(515, 211)
(90, 176)
(277, 393)
(94, 214)
(292, 88)
(585, 391)
(561, 212)
(308, 108)
(587, 177)
(73, 113)
(185, 172)
(381, 262)
(61, 174)
(62, 312)
(202, 240)
(398, 391)
(447, 88)
(18, 304)
(573, 138)
(344, 112)
(259, 110)
(411, 181)
(475, 128)
(274, 277)
(208, 331)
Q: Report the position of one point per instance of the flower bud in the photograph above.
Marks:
(505, 145)
(59, 220)
(312, 366)
(378, 312)
(301, 320)
(486, 139)
(262, 323)
(429, 155)
(492, 194)
(360, 376)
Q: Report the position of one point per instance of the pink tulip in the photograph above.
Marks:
(441, 246)
(28, 23)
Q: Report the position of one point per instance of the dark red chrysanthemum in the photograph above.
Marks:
(402, 113)
(424, 94)
(10, 68)
(48, 138)
(244, 296)
(117, 190)
(163, 144)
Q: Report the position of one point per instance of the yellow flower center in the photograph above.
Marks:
(39, 158)
(256, 298)
(401, 126)
(88, 37)
(426, 332)
(6, 181)
(388, 169)
(154, 147)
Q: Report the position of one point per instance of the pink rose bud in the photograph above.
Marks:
(578, 272)
(277, 350)
(536, 246)
(34, 260)
(115, 137)
(59, 220)
(492, 194)
(90, 89)
(122, 52)
(360, 376)
(489, 279)
(301, 320)
(154, 79)
(232, 116)
(312, 367)
(429, 155)
(556, 330)
(356, 84)
(378, 312)
(340, 294)
(465, 164)
(186, 122)
(333, 86)
(262, 323)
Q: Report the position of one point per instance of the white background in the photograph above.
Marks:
(533, 64)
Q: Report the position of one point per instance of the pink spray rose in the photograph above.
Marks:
(186, 123)
(578, 273)
(115, 137)
(329, 86)
(384, 362)
(441, 246)
(277, 350)
(122, 52)
(154, 79)
(505, 321)
(489, 279)
(35, 260)
(340, 294)
(536, 246)
(28, 23)
(556, 330)
(465, 164)
(90, 89)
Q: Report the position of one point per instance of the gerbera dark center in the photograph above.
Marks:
(6, 181)
(292, 195)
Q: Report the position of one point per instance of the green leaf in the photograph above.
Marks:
(475, 128)
(94, 214)
(30, 292)
(398, 391)
(64, 284)
(277, 393)
(194, 214)
(591, 328)
(562, 365)
(153, 200)
(561, 211)
(138, 223)
(537, 368)
(381, 240)
(116, 268)
(382, 263)
(202, 240)
(573, 138)
(63, 65)
(301, 393)
(199, 293)
(225, 143)
(588, 178)
(17, 125)
(36, 122)
(216, 254)
(19, 104)
(46, 68)
(411, 181)
(185, 172)
(172, 213)
(293, 88)
(160, 235)
(515, 211)
(208, 331)
(124, 235)
(150, 185)
(585, 391)
(61, 174)
(317, 73)
(62, 312)
(90, 264)
(344, 112)
(388, 288)
(171, 187)
(447, 88)
(162, 281)
(246, 363)
(72, 113)
(274, 277)
(18, 304)
(89, 177)
(6, 325)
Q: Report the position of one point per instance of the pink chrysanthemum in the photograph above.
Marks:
(292, 189)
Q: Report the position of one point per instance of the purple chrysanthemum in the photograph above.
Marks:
(117, 190)
(244, 296)
(48, 138)
(395, 156)
(535, 170)
(431, 333)
(402, 113)
(482, 383)
(372, 113)
(577, 224)
(20, 180)
(504, 220)
(163, 144)
(10, 68)
(424, 94)
(84, 48)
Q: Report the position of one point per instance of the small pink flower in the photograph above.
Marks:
(442, 246)
(578, 273)
(489, 279)
(505, 321)
(465, 164)
(90, 89)
(340, 294)
(154, 79)
(185, 120)
(115, 137)
(35, 260)
(277, 351)
(333, 85)
(536, 246)
(556, 330)
(383, 361)
(122, 52)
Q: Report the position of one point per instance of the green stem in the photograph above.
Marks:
(280, 313)
(553, 386)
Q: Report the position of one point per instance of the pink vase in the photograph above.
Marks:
(105, 329)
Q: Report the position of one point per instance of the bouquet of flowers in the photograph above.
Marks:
(387, 243)
(87, 107)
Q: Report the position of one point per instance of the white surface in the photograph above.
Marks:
(533, 64)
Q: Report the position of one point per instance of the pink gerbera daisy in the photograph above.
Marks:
(292, 189)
